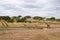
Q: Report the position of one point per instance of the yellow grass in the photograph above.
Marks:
(32, 25)
(29, 34)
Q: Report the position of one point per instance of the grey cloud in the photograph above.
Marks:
(29, 1)
(30, 7)
(56, 2)
(33, 6)
(10, 7)
(54, 15)
(54, 9)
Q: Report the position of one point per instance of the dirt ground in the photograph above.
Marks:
(29, 34)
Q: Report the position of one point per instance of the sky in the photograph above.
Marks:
(45, 8)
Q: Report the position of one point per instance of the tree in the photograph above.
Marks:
(24, 18)
(14, 18)
(38, 18)
(52, 18)
(19, 17)
(6, 18)
(58, 20)
(27, 16)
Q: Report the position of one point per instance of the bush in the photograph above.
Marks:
(10, 20)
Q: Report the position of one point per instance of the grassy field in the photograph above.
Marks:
(31, 25)
(30, 34)
(40, 24)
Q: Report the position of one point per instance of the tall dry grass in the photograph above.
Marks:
(32, 25)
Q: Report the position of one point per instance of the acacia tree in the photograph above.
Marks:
(25, 18)
(6, 18)
(38, 18)
(52, 18)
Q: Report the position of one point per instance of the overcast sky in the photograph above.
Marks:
(45, 8)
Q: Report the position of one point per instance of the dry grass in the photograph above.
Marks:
(29, 34)
(32, 25)
(29, 25)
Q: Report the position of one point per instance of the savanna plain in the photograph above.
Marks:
(29, 34)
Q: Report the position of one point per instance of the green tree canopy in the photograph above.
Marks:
(27, 17)
(38, 18)
(52, 18)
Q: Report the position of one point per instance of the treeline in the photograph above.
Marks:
(23, 19)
